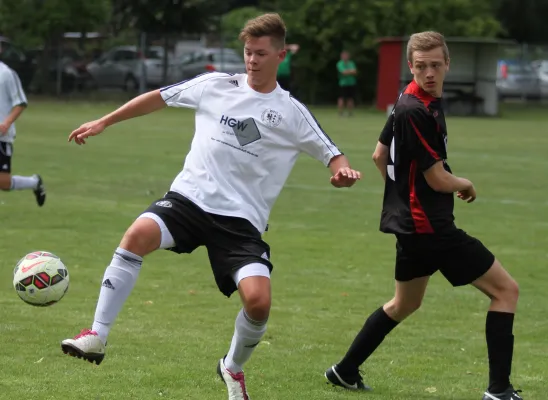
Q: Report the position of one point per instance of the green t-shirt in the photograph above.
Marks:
(284, 69)
(346, 80)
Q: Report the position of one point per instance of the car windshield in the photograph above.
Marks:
(519, 69)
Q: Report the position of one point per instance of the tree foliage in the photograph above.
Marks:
(32, 22)
(323, 29)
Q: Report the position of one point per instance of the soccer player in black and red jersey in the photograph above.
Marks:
(418, 209)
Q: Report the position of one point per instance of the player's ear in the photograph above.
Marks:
(447, 64)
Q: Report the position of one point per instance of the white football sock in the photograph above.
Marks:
(24, 182)
(118, 282)
(247, 335)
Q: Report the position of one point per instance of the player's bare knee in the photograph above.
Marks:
(257, 305)
(142, 237)
(399, 310)
(509, 292)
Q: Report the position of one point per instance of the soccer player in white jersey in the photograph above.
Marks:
(12, 103)
(249, 133)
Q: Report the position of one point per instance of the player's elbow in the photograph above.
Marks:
(380, 155)
(438, 178)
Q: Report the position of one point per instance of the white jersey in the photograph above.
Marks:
(11, 95)
(244, 146)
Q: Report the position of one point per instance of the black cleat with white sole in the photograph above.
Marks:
(508, 394)
(349, 381)
(40, 192)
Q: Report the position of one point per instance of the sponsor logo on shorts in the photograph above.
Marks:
(164, 203)
(265, 256)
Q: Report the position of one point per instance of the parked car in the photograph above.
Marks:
(209, 59)
(122, 67)
(541, 68)
(15, 58)
(517, 79)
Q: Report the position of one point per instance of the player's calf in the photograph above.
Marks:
(503, 291)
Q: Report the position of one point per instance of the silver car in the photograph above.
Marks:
(516, 79)
(197, 62)
(122, 67)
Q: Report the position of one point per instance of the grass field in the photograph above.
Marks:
(332, 267)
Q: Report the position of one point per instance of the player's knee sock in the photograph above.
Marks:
(500, 348)
(23, 182)
(375, 329)
(247, 335)
(118, 281)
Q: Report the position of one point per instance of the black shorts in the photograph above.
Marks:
(231, 242)
(347, 92)
(459, 257)
(6, 151)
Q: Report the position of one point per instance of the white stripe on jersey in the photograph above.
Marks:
(174, 97)
(314, 124)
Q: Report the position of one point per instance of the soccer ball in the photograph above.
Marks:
(40, 279)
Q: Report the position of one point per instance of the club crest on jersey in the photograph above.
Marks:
(271, 118)
(164, 203)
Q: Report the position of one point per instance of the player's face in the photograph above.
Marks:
(429, 69)
(262, 60)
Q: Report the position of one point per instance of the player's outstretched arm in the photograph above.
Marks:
(442, 181)
(140, 105)
(380, 158)
(342, 174)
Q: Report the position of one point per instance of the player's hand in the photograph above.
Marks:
(4, 128)
(86, 130)
(345, 177)
(468, 195)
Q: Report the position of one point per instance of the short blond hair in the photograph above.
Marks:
(426, 41)
(270, 24)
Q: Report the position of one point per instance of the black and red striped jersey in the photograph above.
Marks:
(416, 135)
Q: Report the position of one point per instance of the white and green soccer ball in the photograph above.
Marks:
(40, 279)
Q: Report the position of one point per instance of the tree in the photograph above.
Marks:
(42, 23)
(323, 29)
(233, 22)
(162, 18)
(524, 21)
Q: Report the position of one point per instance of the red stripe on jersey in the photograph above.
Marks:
(422, 223)
(415, 90)
(424, 142)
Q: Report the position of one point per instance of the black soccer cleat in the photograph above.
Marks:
(508, 394)
(350, 382)
(40, 192)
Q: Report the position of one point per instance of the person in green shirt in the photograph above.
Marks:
(347, 82)
(284, 69)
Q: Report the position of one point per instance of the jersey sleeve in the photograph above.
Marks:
(312, 138)
(14, 90)
(188, 93)
(387, 132)
(423, 138)
(340, 67)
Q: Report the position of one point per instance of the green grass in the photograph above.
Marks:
(332, 267)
